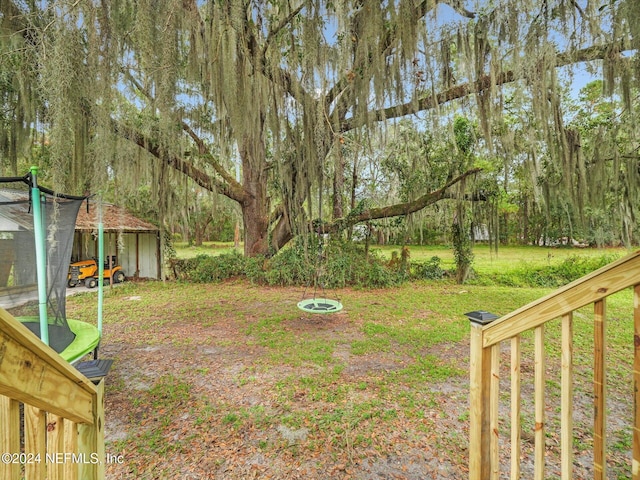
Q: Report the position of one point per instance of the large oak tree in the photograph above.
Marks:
(254, 99)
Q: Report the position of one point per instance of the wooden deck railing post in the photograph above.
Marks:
(91, 441)
(35, 432)
(566, 422)
(494, 397)
(539, 403)
(599, 392)
(635, 467)
(516, 396)
(480, 365)
(479, 390)
(55, 446)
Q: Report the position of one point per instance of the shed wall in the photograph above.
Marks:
(137, 253)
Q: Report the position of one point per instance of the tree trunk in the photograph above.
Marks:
(525, 222)
(255, 209)
(236, 235)
(200, 228)
(338, 184)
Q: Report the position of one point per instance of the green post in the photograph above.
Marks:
(41, 255)
(100, 269)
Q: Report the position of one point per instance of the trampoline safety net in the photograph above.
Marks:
(18, 271)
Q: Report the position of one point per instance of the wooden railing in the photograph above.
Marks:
(51, 416)
(485, 341)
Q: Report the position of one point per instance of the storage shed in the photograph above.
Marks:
(135, 242)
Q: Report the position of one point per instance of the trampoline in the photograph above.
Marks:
(85, 337)
(37, 228)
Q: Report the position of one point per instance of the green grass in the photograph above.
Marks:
(346, 377)
(184, 250)
(485, 259)
(508, 258)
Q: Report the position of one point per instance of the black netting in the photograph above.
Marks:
(18, 269)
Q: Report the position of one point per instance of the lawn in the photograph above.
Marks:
(184, 250)
(232, 381)
(486, 260)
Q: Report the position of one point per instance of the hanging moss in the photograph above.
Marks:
(270, 83)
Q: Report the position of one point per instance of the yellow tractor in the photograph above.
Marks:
(86, 271)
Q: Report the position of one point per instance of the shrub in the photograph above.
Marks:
(430, 270)
(551, 276)
(574, 267)
(254, 269)
(207, 269)
(339, 264)
(293, 265)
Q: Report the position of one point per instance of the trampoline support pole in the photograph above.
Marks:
(41, 259)
(100, 271)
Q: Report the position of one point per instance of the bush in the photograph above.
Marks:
(340, 264)
(551, 276)
(429, 270)
(207, 269)
(291, 266)
(574, 267)
(254, 269)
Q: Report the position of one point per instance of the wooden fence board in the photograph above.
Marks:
(539, 381)
(635, 467)
(35, 432)
(516, 398)
(9, 438)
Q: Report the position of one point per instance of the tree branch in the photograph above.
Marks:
(385, 45)
(231, 183)
(283, 23)
(234, 192)
(397, 209)
(597, 52)
(203, 150)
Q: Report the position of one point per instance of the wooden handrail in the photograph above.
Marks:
(484, 382)
(599, 284)
(63, 414)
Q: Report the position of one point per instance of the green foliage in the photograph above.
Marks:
(344, 264)
(464, 135)
(554, 275)
(429, 270)
(291, 266)
(169, 249)
(206, 269)
(254, 269)
(462, 251)
(339, 264)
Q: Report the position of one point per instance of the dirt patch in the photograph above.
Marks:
(211, 399)
(206, 386)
